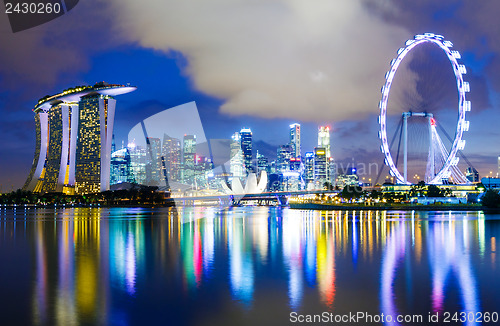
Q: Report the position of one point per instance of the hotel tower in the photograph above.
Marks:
(74, 132)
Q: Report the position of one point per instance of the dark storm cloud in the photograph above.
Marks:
(35, 60)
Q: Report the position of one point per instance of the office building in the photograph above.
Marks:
(472, 175)
(283, 155)
(138, 161)
(120, 167)
(309, 170)
(171, 152)
(154, 171)
(188, 159)
(348, 178)
(324, 140)
(246, 147)
(237, 161)
(262, 163)
(73, 140)
(321, 175)
(295, 139)
(498, 169)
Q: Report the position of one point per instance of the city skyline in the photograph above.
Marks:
(67, 114)
(67, 132)
(169, 73)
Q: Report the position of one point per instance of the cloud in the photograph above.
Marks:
(471, 25)
(35, 60)
(311, 61)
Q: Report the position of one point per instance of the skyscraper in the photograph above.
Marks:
(309, 170)
(246, 147)
(188, 158)
(324, 140)
(262, 163)
(153, 163)
(295, 139)
(138, 160)
(237, 162)
(93, 155)
(498, 170)
(283, 153)
(120, 167)
(55, 164)
(472, 175)
(321, 174)
(171, 152)
(74, 135)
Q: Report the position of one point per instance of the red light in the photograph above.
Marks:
(433, 122)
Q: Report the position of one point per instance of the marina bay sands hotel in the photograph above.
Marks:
(74, 131)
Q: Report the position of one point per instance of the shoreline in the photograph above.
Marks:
(463, 207)
(303, 206)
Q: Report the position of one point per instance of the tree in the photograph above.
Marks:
(351, 192)
(419, 189)
(491, 199)
(375, 194)
(434, 191)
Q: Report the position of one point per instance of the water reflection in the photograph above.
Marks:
(448, 246)
(92, 265)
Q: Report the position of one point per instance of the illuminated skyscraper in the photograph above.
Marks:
(138, 162)
(472, 175)
(153, 164)
(498, 170)
(262, 163)
(74, 135)
(321, 174)
(171, 152)
(188, 158)
(56, 163)
(120, 167)
(246, 147)
(237, 162)
(283, 153)
(93, 155)
(309, 170)
(295, 139)
(324, 140)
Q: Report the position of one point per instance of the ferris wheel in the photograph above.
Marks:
(449, 159)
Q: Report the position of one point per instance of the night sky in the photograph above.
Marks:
(261, 64)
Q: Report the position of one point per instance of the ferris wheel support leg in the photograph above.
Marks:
(431, 149)
(405, 143)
